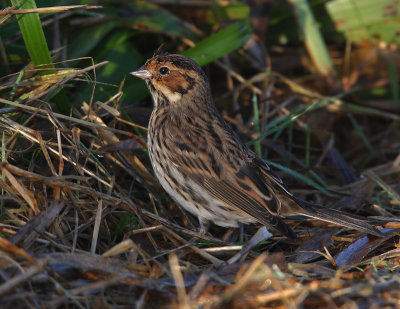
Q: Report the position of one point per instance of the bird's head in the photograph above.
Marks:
(173, 78)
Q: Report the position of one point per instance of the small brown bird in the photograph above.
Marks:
(203, 164)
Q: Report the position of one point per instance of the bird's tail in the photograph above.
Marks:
(339, 217)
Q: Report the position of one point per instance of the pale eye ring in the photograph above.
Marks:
(164, 70)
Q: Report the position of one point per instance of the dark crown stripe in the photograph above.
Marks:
(183, 62)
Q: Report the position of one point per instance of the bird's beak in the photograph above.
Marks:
(142, 73)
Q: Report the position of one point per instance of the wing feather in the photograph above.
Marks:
(228, 177)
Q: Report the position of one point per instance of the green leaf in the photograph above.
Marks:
(371, 20)
(79, 44)
(32, 33)
(123, 57)
(220, 43)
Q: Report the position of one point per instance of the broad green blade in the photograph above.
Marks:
(33, 35)
(371, 20)
(313, 39)
(221, 43)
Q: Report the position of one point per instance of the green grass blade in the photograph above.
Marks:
(16, 84)
(95, 159)
(313, 38)
(287, 119)
(394, 79)
(220, 43)
(392, 194)
(360, 132)
(301, 177)
(32, 33)
(317, 178)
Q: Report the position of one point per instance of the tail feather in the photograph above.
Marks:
(339, 217)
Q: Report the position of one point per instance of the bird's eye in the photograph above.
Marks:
(164, 70)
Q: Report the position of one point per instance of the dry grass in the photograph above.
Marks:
(84, 224)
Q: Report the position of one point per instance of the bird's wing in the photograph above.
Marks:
(229, 179)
